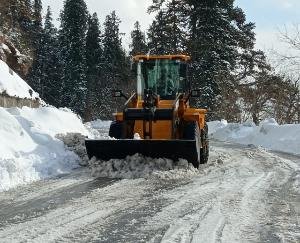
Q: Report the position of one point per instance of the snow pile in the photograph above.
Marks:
(29, 149)
(13, 85)
(75, 142)
(98, 129)
(216, 125)
(268, 134)
(138, 166)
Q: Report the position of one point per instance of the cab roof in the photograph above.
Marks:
(156, 57)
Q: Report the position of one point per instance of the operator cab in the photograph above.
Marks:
(165, 76)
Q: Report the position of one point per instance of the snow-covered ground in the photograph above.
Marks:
(29, 149)
(13, 85)
(268, 134)
(243, 194)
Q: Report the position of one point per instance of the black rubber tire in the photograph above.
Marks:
(191, 132)
(116, 130)
(204, 151)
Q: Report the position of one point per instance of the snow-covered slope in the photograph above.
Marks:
(268, 134)
(13, 85)
(29, 150)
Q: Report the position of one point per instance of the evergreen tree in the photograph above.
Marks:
(213, 47)
(138, 41)
(115, 60)
(45, 73)
(52, 70)
(94, 58)
(217, 37)
(167, 34)
(112, 44)
(176, 21)
(158, 36)
(72, 36)
(116, 65)
(24, 15)
(35, 76)
(37, 24)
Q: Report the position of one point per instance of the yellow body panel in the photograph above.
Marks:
(163, 129)
(160, 129)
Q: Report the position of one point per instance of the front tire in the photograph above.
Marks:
(191, 132)
(204, 151)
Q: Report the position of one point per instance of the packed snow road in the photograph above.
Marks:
(244, 194)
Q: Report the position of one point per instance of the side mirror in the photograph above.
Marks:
(196, 93)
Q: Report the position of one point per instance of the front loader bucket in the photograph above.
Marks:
(120, 149)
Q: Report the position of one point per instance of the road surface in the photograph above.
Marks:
(244, 194)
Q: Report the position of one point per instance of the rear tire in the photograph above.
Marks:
(116, 130)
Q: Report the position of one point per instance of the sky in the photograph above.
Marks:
(270, 16)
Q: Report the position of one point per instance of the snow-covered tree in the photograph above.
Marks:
(73, 47)
(94, 59)
(45, 73)
(24, 14)
(35, 75)
(157, 35)
(168, 33)
(138, 41)
(37, 25)
(116, 67)
(218, 38)
(53, 63)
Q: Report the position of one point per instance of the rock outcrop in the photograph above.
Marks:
(14, 59)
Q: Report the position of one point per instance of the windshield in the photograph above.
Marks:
(164, 77)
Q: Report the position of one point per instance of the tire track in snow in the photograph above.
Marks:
(237, 185)
(182, 230)
(77, 214)
(227, 202)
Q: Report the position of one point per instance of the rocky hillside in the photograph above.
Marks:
(15, 34)
(15, 60)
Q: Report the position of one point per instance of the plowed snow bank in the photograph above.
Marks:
(29, 150)
(13, 85)
(268, 134)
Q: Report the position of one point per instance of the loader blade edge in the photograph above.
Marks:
(120, 149)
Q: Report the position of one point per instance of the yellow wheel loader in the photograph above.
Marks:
(157, 120)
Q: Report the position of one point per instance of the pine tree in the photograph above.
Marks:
(115, 60)
(112, 43)
(138, 41)
(52, 70)
(37, 24)
(167, 34)
(34, 76)
(45, 73)
(116, 65)
(158, 36)
(176, 21)
(213, 47)
(24, 15)
(72, 36)
(94, 58)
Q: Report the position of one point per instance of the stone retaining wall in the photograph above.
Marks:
(8, 102)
